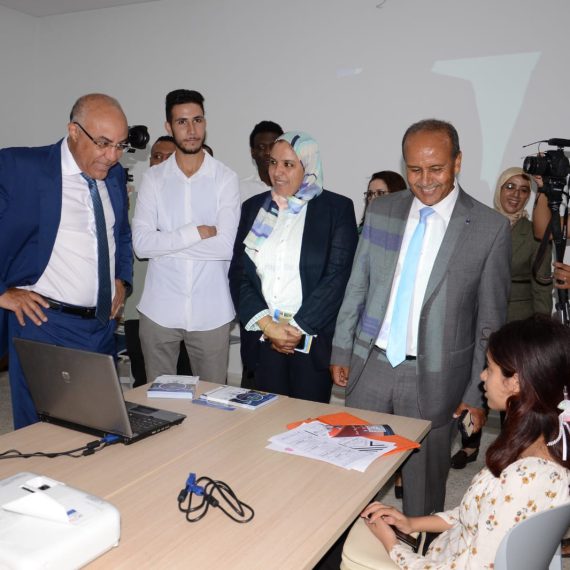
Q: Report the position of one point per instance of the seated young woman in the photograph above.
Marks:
(528, 375)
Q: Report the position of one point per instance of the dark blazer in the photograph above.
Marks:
(30, 212)
(327, 250)
(465, 300)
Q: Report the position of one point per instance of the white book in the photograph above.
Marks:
(168, 386)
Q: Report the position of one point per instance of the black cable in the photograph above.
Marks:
(205, 488)
(87, 449)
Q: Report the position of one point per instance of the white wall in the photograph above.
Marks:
(18, 73)
(350, 73)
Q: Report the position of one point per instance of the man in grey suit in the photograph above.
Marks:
(430, 281)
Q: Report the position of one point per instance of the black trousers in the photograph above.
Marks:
(298, 375)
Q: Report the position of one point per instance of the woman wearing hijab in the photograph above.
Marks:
(292, 259)
(528, 295)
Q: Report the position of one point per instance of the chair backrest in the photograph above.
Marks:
(532, 544)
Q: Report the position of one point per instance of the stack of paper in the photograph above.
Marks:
(312, 440)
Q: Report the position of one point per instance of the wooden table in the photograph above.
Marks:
(301, 506)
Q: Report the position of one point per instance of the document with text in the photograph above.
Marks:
(312, 440)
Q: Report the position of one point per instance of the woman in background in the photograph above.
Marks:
(292, 259)
(528, 295)
(380, 184)
(528, 375)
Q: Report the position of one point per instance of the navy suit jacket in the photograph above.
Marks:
(327, 250)
(30, 212)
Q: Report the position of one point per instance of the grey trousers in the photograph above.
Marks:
(208, 350)
(394, 390)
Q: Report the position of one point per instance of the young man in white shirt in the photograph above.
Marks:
(185, 222)
(261, 140)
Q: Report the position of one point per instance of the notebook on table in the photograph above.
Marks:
(81, 390)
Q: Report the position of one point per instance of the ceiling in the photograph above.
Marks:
(40, 8)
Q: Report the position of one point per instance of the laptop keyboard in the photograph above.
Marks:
(142, 424)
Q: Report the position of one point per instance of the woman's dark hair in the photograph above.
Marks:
(393, 180)
(538, 349)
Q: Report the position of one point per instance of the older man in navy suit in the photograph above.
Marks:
(430, 280)
(65, 245)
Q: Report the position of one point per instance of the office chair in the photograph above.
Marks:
(532, 544)
(363, 551)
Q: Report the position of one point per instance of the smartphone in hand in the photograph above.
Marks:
(466, 424)
(407, 538)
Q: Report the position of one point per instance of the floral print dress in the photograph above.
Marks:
(489, 509)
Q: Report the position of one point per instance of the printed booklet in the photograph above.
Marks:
(239, 397)
(168, 386)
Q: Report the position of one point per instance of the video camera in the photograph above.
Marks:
(138, 138)
(552, 163)
(554, 167)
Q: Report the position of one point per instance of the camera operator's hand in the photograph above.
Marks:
(561, 275)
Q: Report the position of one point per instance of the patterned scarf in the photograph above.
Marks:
(307, 151)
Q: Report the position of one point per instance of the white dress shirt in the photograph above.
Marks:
(436, 226)
(251, 186)
(71, 274)
(277, 265)
(186, 284)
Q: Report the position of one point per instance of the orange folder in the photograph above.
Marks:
(346, 419)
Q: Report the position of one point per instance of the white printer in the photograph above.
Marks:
(44, 524)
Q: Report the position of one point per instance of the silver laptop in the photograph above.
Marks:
(81, 390)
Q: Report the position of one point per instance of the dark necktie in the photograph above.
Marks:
(103, 311)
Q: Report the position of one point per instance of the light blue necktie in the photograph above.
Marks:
(396, 348)
(103, 311)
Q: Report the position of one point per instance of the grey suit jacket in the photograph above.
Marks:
(465, 300)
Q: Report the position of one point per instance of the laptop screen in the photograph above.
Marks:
(81, 390)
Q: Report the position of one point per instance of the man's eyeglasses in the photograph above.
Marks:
(103, 144)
